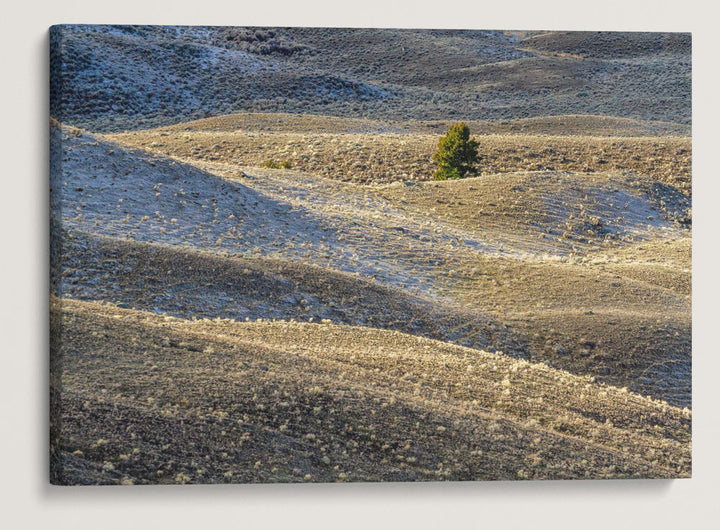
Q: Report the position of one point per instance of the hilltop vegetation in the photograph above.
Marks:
(370, 151)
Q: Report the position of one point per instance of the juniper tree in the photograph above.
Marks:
(457, 154)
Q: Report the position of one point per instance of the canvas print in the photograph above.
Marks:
(360, 255)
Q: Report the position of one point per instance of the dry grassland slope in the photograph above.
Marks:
(114, 78)
(219, 401)
(369, 151)
(483, 254)
(346, 318)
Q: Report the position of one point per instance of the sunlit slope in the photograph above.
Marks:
(569, 209)
(564, 125)
(189, 283)
(150, 399)
(592, 271)
(369, 151)
(609, 44)
(112, 190)
(617, 306)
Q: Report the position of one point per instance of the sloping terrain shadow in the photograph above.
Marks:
(153, 399)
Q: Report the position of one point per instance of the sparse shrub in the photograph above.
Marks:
(457, 154)
(285, 164)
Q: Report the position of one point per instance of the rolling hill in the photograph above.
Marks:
(114, 78)
(214, 401)
(254, 277)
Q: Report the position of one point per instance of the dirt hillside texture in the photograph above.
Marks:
(216, 402)
(112, 78)
(255, 278)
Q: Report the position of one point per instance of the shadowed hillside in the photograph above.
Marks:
(219, 402)
(499, 262)
(129, 77)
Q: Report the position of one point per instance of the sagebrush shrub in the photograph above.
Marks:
(275, 165)
(457, 153)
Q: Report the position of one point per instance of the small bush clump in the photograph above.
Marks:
(457, 154)
(285, 164)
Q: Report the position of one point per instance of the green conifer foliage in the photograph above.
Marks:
(457, 154)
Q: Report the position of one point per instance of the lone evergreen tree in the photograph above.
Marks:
(457, 153)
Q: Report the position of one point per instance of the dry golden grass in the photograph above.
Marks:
(541, 207)
(572, 252)
(602, 44)
(195, 284)
(564, 125)
(374, 156)
(577, 278)
(151, 399)
(635, 314)
(613, 308)
(666, 263)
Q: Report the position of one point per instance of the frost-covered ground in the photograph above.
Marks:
(124, 192)
(448, 250)
(133, 77)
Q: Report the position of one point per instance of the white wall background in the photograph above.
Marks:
(27, 501)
